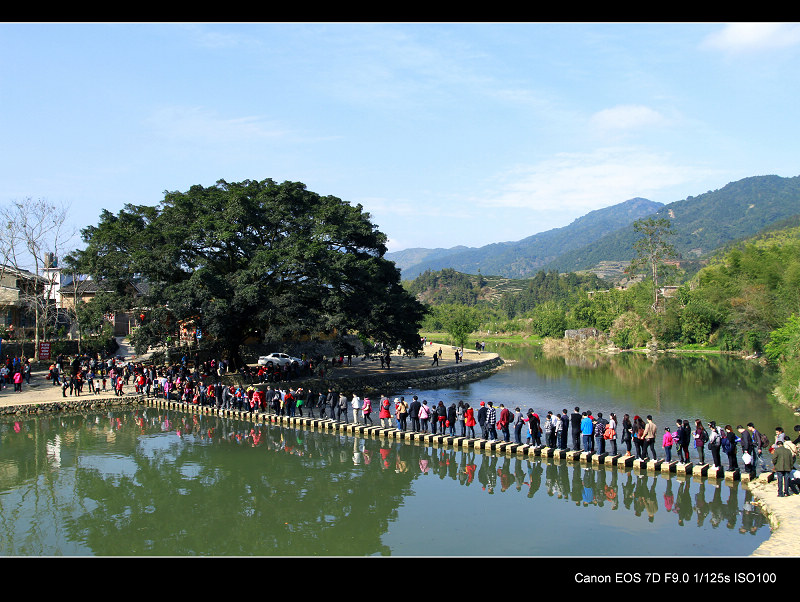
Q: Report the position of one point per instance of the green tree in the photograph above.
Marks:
(253, 259)
(652, 249)
(460, 322)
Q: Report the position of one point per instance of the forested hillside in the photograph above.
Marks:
(747, 300)
(522, 259)
(701, 224)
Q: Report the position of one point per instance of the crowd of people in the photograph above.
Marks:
(15, 371)
(589, 433)
(201, 384)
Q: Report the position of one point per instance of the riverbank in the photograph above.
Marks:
(362, 376)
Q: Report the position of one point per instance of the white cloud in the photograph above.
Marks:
(754, 36)
(586, 181)
(202, 125)
(625, 118)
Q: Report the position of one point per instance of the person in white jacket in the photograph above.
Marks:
(355, 403)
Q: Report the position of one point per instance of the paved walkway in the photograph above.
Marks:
(43, 391)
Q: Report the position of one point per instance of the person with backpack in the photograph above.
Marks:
(366, 410)
(714, 440)
(728, 445)
(700, 440)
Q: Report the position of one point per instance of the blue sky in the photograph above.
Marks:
(447, 133)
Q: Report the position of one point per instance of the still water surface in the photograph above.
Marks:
(157, 482)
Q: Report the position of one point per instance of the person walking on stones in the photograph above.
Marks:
(666, 443)
(366, 410)
(627, 429)
(441, 417)
(491, 420)
(587, 429)
(519, 422)
(534, 428)
(748, 451)
(402, 413)
(469, 421)
(729, 447)
(650, 434)
(413, 413)
(611, 432)
(483, 412)
(600, 432)
(385, 413)
(424, 416)
(355, 403)
(452, 415)
(700, 440)
(341, 409)
(686, 439)
(575, 425)
(504, 422)
(760, 442)
(714, 442)
(548, 429)
(564, 432)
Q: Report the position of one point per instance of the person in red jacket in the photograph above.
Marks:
(504, 422)
(469, 421)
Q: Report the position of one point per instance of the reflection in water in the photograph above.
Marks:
(162, 482)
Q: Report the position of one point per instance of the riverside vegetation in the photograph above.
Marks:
(745, 300)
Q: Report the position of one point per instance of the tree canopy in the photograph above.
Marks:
(253, 258)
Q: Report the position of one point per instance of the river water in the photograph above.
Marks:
(158, 482)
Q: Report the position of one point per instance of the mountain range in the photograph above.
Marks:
(700, 224)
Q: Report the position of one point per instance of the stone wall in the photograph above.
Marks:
(388, 381)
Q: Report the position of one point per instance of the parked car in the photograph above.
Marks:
(277, 359)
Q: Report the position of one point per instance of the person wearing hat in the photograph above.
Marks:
(482, 413)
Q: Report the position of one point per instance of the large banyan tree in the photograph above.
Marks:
(253, 258)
